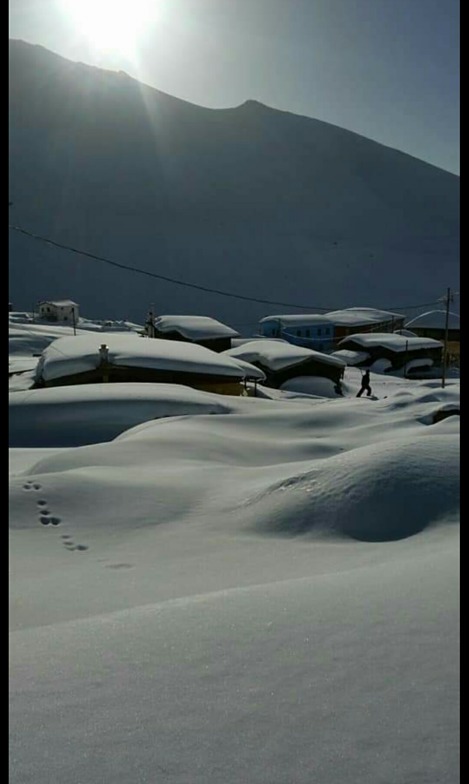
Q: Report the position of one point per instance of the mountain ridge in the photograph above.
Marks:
(249, 199)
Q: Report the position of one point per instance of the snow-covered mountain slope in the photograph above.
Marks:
(251, 200)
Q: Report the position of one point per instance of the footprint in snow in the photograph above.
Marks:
(32, 486)
(46, 518)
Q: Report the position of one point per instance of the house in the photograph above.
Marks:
(308, 330)
(433, 325)
(59, 310)
(281, 362)
(361, 320)
(116, 356)
(202, 330)
(392, 351)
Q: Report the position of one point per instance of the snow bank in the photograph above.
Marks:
(311, 385)
(363, 469)
(90, 413)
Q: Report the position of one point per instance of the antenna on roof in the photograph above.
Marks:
(150, 323)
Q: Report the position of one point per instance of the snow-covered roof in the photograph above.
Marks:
(435, 319)
(32, 338)
(194, 327)
(390, 341)
(351, 357)
(277, 356)
(419, 363)
(406, 332)
(243, 341)
(298, 319)
(250, 372)
(60, 303)
(357, 316)
(71, 355)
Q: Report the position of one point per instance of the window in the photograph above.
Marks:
(307, 333)
(319, 330)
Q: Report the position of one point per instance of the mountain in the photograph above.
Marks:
(249, 200)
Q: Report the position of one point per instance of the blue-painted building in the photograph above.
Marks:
(309, 330)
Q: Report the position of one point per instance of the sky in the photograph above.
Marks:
(386, 69)
(255, 590)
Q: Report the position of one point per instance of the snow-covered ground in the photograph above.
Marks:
(256, 590)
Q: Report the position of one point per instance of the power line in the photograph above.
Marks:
(177, 282)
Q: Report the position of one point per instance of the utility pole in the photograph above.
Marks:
(104, 362)
(74, 322)
(449, 299)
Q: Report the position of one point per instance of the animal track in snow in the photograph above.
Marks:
(69, 545)
(32, 485)
(46, 518)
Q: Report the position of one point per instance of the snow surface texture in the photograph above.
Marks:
(257, 590)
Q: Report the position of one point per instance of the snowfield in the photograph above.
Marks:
(208, 589)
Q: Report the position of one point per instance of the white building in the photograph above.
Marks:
(59, 310)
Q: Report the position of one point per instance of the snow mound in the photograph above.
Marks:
(317, 467)
(90, 413)
(368, 494)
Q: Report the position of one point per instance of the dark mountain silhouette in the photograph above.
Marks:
(250, 200)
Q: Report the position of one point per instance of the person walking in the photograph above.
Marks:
(365, 385)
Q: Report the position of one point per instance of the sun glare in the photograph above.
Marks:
(111, 24)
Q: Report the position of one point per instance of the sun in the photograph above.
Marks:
(113, 25)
